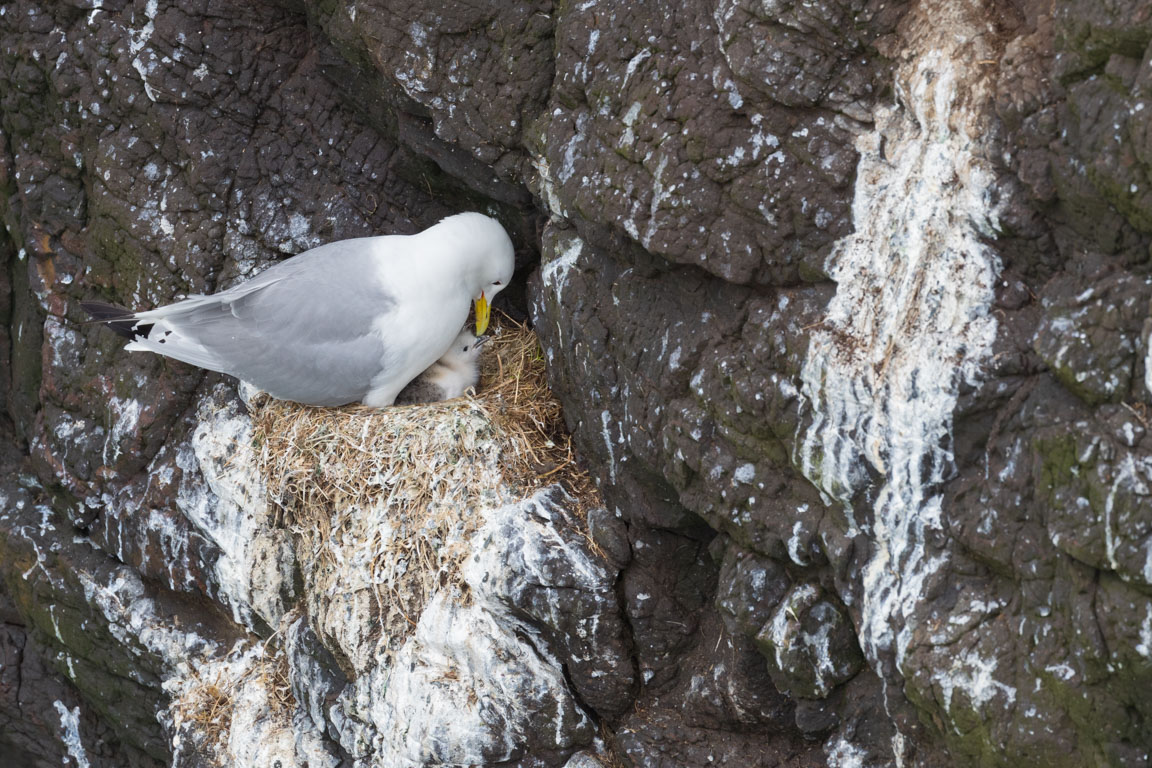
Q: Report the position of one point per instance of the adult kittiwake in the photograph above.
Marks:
(448, 377)
(351, 321)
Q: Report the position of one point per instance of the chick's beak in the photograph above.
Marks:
(482, 313)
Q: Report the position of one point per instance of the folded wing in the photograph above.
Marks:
(303, 330)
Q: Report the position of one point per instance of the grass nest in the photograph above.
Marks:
(429, 466)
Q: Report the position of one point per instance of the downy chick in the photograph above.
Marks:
(450, 376)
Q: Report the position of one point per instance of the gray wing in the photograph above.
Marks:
(300, 330)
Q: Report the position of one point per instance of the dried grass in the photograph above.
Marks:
(313, 455)
(429, 465)
(206, 707)
(273, 673)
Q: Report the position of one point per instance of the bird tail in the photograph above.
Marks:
(119, 319)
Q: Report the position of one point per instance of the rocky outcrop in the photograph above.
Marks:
(847, 304)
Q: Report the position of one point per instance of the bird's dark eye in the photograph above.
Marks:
(497, 283)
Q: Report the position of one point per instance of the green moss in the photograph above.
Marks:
(811, 269)
(115, 682)
(1091, 46)
(1058, 461)
(1117, 191)
(1085, 210)
(27, 339)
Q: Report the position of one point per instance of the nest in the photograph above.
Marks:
(419, 471)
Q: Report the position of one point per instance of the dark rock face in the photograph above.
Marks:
(653, 130)
(707, 402)
(847, 304)
(1089, 337)
(94, 622)
(577, 613)
(810, 644)
(44, 721)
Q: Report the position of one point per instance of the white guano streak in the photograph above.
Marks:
(70, 733)
(909, 320)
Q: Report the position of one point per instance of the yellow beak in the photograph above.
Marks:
(482, 313)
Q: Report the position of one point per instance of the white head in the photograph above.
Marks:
(465, 350)
(459, 367)
(490, 257)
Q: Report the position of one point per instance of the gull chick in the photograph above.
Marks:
(448, 377)
(351, 321)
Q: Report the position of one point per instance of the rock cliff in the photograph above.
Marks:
(847, 304)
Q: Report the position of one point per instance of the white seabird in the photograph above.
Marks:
(350, 321)
(448, 377)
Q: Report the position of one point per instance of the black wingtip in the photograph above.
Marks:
(119, 319)
(101, 310)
